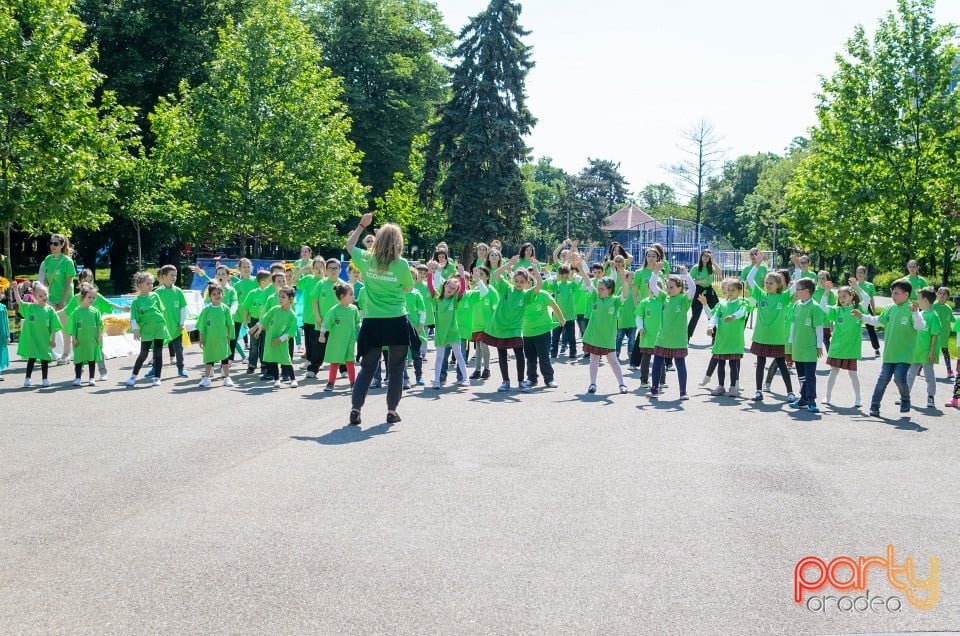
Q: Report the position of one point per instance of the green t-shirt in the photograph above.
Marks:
(537, 317)
(253, 303)
(36, 332)
(818, 296)
(641, 282)
(702, 277)
(868, 287)
(307, 284)
(173, 301)
(465, 312)
(807, 316)
(415, 307)
(565, 293)
(900, 336)
(447, 329)
(325, 296)
(86, 324)
(673, 328)
(846, 341)
(215, 324)
(650, 311)
(921, 351)
(384, 289)
(602, 329)
(628, 318)
(918, 283)
(276, 322)
(101, 304)
(945, 314)
(522, 263)
(424, 290)
(581, 298)
(342, 324)
(57, 272)
(484, 308)
(507, 319)
(148, 312)
(271, 299)
(770, 325)
(758, 278)
(729, 336)
(243, 287)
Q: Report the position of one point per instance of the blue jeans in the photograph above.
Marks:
(808, 388)
(630, 333)
(898, 372)
(446, 361)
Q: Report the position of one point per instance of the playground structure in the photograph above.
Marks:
(682, 241)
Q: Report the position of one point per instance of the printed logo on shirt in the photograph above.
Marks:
(208, 322)
(33, 318)
(903, 321)
(808, 322)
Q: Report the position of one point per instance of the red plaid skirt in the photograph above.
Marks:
(670, 353)
(846, 365)
(501, 343)
(599, 351)
(648, 350)
(728, 356)
(762, 350)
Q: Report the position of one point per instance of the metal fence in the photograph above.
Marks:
(683, 241)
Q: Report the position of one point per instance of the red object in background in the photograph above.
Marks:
(187, 248)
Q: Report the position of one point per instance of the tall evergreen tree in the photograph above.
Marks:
(478, 138)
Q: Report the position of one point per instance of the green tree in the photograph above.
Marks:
(546, 187)
(262, 144)
(386, 51)
(59, 154)
(762, 214)
(478, 138)
(884, 146)
(724, 197)
(591, 196)
(659, 200)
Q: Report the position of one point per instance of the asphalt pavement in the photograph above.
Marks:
(252, 510)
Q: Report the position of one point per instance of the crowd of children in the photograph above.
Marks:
(524, 308)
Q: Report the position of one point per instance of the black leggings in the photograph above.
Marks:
(396, 361)
(781, 364)
(721, 371)
(78, 369)
(157, 356)
(503, 358)
(44, 366)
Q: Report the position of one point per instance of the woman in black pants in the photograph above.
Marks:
(703, 277)
(386, 278)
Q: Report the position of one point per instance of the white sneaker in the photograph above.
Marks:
(768, 387)
(276, 384)
(92, 382)
(293, 384)
(503, 387)
(131, 380)
(46, 383)
(857, 404)
(27, 383)
(228, 382)
(103, 377)
(156, 382)
(205, 382)
(310, 375)
(552, 384)
(791, 397)
(705, 381)
(77, 382)
(826, 399)
(526, 387)
(465, 384)
(733, 392)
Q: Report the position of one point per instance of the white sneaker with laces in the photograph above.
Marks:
(705, 381)
(28, 383)
(228, 382)
(92, 382)
(156, 382)
(276, 384)
(103, 377)
(77, 382)
(464, 384)
(45, 383)
(205, 382)
(293, 384)
(131, 380)
(552, 384)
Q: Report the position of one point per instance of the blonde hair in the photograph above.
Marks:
(387, 246)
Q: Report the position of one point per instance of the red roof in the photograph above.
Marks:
(626, 218)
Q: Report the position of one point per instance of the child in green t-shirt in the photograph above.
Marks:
(215, 325)
(277, 327)
(38, 333)
(945, 312)
(599, 338)
(845, 348)
(174, 315)
(85, 326)
(726, 325)
(338, 332)
(769, 330)
(482, 311)
(925, 351)
(806, 337)
(672, 340)
(901, 322)
(149, 326)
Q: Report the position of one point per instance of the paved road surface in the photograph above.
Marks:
(176, 510)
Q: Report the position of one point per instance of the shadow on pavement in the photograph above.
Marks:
(347, 435)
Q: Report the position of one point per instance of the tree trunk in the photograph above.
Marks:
(947, 265)
(7, 253)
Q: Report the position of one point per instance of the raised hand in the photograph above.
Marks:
(366, 219)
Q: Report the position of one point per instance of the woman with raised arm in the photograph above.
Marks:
(387, 278)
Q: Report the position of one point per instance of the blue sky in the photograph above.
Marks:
(620, 80)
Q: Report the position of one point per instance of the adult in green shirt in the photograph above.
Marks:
(57, 272)
(703, 275)
(387, 278)
(917, 281)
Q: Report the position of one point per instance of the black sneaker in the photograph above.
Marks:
(485, 375)
(475, 375)
(266, 377)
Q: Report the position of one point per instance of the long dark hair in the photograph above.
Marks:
(709, 265)
(616, 249)
(523, 250)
